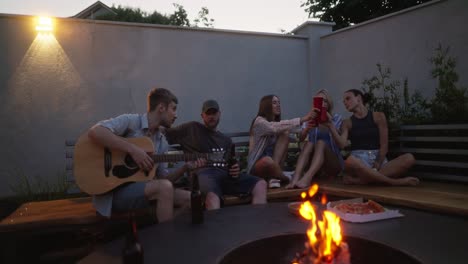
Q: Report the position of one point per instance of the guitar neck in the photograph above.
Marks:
(179, 157)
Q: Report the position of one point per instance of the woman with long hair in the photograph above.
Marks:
(368, 133)
(269, 139)
(321, 149)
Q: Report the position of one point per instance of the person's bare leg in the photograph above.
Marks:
(397, 167)
(212, 201)
(356, 169)
(302, 162)
(281, 148)
(181, 201)
(163, 192)
(266, 168)
(315, 165)
(331, 164)
(259, 193)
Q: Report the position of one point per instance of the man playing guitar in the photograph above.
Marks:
(110, 134)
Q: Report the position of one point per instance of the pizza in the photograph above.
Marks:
(369, 207)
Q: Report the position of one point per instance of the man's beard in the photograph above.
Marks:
(212, 127)
(166, 123)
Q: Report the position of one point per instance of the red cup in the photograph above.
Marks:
(323, 115)
(318, 103)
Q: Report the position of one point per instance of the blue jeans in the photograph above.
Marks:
(219, 181)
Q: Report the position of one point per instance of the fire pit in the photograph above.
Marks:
(282, 249)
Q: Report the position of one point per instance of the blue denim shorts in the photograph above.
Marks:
(219, 181)
(129, 197)
(367, 157)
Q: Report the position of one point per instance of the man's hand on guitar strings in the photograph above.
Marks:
(141, 158)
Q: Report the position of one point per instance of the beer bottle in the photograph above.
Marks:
(196, 201)
(132, 253)
(232, 157)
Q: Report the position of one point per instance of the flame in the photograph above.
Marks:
(323, 200)
(326, 242)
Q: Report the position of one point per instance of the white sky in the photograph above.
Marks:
(250, 15)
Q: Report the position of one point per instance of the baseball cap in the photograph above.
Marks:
(210, 104)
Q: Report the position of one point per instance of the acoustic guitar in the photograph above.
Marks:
(98, 169)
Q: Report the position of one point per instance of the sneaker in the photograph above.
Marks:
(288, 174)
(274, 183)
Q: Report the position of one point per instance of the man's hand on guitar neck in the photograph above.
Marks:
(190, 165)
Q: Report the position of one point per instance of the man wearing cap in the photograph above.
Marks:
(195, 137)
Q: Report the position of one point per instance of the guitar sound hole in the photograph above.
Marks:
(122, 171)
(129, 162)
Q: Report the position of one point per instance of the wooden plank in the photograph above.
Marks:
(70, 142)
(237, 134)
(419, 197)
(435, 151)
(435, 127)
(448, 164)
(69, 154)
(433, 139)
(241, 144)
(442, 176)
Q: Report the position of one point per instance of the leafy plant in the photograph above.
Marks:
(203, 19)
(416, 109)
(384, 96)
(178, 18)
(346, 13)
(450, 104)
(382, 92)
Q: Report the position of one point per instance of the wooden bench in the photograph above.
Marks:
(79, 212)
(441, 151)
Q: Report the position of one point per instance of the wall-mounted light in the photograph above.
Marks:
(44, 24)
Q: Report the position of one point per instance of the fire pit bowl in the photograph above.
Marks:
(282, 249)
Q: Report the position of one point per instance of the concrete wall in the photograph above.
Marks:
(403, 41)
(53, 88)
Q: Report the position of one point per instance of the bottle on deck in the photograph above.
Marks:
(132, 252)
(196, 200)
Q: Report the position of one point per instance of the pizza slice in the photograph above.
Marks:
(369, 207)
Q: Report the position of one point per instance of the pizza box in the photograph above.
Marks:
(361, 218)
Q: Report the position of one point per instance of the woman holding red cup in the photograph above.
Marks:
(321, 150)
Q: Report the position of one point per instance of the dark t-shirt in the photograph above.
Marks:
(194, 137)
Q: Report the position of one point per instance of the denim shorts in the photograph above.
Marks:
(367, 157)
(219, 181)
(129, 197)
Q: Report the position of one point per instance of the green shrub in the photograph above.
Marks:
(384, 96)
(450, 104)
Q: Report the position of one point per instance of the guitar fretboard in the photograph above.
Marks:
(179, 157)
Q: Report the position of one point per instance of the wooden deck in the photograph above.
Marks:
(447, 198)
(439, 197)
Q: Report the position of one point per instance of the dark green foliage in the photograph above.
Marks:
(203, 18)
(136, 15)
(450, 104)
(348, 12)
(178, 18)
(384, 96)
(416, 109)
